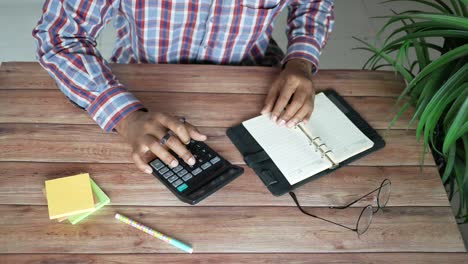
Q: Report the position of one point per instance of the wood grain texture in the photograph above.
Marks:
(271, 258)
(88, 143)
(210, 79)
(43, 136)
(230, 230)
(225, 110)
(22, 183)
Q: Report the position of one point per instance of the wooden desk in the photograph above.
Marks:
(43, 136)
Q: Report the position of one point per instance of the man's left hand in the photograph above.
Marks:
(295, 81)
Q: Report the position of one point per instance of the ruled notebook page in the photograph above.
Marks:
(290, 150)
(336, 130)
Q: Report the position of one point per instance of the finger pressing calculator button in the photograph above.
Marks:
(206, 165)
(173, 178)
(177, 169)
(196, 171)
(177, 183)
(163, 170)
(187, 177)
(157, 164)
(215, 160)
(182, 173)
(168, 174)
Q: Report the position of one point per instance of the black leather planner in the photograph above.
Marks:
(257, 159)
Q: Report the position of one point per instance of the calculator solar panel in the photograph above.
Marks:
(191, 184)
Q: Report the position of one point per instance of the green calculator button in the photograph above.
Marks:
(182, 187)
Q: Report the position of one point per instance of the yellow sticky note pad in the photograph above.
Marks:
(69, 195)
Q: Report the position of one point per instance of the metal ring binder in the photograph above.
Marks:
(319, 147)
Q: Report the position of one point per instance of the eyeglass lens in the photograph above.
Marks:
(364, 220)
(384, 193)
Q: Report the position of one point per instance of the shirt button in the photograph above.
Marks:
(212, 19)
(205, 47)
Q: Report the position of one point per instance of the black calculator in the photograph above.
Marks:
(191, 184)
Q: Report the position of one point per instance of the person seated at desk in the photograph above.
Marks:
(234, 32)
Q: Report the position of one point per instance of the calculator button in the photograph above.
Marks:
(196, 171)
(163, 170)
(173, 178)
(182, 187)
(215, 160)
(187, 177)
(206, 165)
(177, 183)
(177, 169)
(168, 174)
(182, 173)
(157, 164)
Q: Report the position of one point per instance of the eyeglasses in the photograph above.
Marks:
(365, 217)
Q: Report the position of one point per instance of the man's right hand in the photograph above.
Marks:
(144, 130)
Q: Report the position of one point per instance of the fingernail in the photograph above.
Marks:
(264, 111)
(191, 161)
(290, 124)
(174, 163)
(274, 118)
(281, 123)
(149, 170)
(204, 137)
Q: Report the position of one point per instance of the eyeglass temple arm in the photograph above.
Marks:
(353, 202)
(293, 195)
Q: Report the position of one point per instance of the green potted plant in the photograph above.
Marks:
(437, 88)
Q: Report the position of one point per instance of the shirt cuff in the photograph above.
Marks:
(113, 105)
(306, 48)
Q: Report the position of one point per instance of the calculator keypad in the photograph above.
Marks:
(183, 176)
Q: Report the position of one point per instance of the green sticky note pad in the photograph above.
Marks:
(103, 200)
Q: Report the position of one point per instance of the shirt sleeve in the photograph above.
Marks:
(309, 24)
(66, 47)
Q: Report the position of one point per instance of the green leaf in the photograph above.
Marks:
(463, 130)
(465, 149)
(446, 7)
(381, 66)
(428, 3)
(404, 72)
(450, 116)
(435, 19)
(397, 46)
(430, 33)
(460, 119)
(462, 188)
(436, 65)
(456, 7)
(450, 159)
(400, 112)
(414, 27)
(433, 83)
(440, 101)
(463, 4)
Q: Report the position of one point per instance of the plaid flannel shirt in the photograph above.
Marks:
(165, 31)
